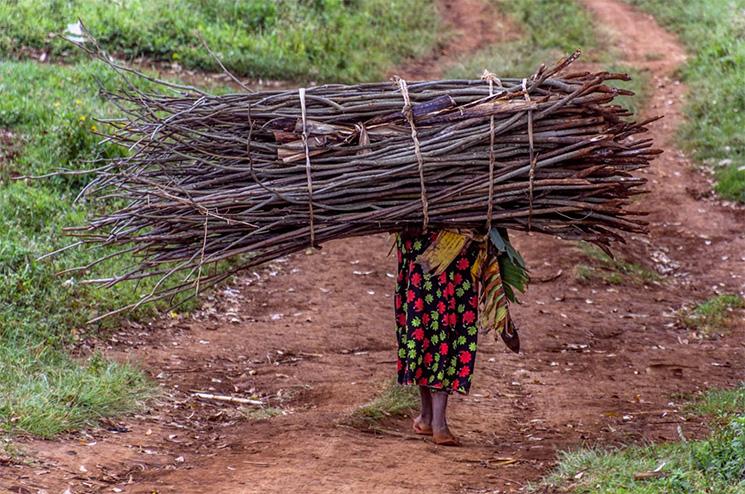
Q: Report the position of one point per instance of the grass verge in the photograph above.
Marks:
(714, 465)
(613, 271)
(714, 315)
(55, 394)
(714, 33)
(50, 110)
(340, 40)
(394, 401)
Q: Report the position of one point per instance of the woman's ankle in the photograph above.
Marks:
(424, 419)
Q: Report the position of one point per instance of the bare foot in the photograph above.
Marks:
(422, 427)
(445, 438)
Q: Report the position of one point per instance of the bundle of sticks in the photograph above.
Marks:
(259, 175)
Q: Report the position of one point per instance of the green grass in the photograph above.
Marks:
(338, 40)
(613, 271)
(394, 401)
(731, 182)
(720, 403)
(713, 315)
(54, 394)
(549, 29)
(44, 391)
(714, 465)
(714, 34)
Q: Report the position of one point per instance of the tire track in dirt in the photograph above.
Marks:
(313, 336)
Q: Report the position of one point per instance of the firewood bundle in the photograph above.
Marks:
(258, 175)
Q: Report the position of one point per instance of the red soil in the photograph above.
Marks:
(313, 334)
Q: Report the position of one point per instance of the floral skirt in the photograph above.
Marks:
(436, 318)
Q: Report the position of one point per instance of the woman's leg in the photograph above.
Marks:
(423, 423)
(440, 431)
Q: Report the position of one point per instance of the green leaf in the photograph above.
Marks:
(505, 247)
(511, 265)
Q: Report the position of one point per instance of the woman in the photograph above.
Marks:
(436, 323)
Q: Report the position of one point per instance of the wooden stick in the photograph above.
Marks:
(231, 399)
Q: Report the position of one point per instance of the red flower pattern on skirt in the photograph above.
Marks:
(435, 318)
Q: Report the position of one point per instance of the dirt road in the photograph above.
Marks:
(313, 334)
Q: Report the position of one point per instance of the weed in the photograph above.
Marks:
(731, 183)
(720, 402)
(262, 413)
(55, 395)
(713, 315)
(614, 271)
(394, 401)
(10, 452)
